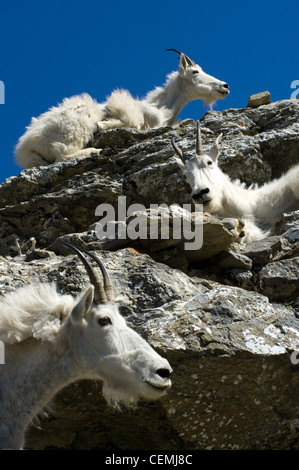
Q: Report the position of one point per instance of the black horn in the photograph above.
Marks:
(188, 60)
(174, 50)
(178, 151)
(100, 296)
(108, 285)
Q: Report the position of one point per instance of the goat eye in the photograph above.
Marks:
(195, 71)
(103, 321)
(210, 162)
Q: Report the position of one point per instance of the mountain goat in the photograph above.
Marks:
(52, 340)
(258, 207)
(64, 131)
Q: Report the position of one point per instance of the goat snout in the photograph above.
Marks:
(159, 379)
(224, 89)
(164, 373)
(201, 196)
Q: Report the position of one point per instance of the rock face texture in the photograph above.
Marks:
(225, 315)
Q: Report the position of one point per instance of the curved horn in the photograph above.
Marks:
(199, 149)
(188, 60)
(178, 150)
(174, 50)
(108, 285)
(99, 292)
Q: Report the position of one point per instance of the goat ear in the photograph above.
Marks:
(183, 63)
(214, 150)
(83, 306)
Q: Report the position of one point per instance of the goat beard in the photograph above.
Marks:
(213, 206)
(117, 397)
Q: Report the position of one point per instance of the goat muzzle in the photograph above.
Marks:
(201, 197)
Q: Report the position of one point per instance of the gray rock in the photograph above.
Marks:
(225, 315)
(280, 280)
(230, 259)
(231, 345)
(263, 251)
(258, 99)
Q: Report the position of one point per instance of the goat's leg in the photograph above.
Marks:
(254, 232)
(34, 159)
(109, 124)
(82, 153)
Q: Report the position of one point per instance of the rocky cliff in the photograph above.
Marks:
(225, 316)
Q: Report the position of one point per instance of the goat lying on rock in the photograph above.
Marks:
(65, 130)
(52, 340)
(258, 207)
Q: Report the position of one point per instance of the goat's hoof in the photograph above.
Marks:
(235, 226)
(230, 224)
(96, 153)
(101, 126)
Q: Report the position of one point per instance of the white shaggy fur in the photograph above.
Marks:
(65, 131)
(33, 311)
(52, 340)
(258, 207)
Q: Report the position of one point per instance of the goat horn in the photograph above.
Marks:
(199, 149)
(174, 50)
(99, 293)
(189, 61)
(108, 285)
(178, 150)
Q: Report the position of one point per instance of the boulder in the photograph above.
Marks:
(230, 350)
(258, 99)
(225, 314)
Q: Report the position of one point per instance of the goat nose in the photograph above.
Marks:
(225, 86)
(201, 193)
(199, 196)
(204, 191)
(164, 373)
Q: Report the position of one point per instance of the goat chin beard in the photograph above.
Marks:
(210, 206)
(116, 396)
(214, 205)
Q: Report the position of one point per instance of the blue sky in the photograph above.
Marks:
(53, 49)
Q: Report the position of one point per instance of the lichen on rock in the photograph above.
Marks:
(224, 315)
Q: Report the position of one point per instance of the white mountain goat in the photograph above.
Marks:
(65, 130)
(52, 340)
(258, 207)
